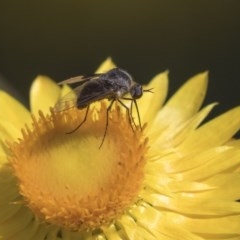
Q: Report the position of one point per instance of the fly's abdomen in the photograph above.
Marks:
(91, 92)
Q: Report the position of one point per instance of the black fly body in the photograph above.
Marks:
(113, 85)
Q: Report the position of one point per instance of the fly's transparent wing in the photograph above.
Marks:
(69, 100)
(79, 79)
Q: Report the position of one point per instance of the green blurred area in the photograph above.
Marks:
(67, 38)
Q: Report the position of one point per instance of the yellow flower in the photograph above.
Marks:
(175, 179)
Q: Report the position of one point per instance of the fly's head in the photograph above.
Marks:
(136, 91)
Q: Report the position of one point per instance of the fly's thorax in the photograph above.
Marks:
(117, 78)
(120, 94)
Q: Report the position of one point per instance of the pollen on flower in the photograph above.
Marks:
(66, 179)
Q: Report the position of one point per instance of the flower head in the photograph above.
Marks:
(175, 178)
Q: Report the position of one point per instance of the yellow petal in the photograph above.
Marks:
(187, 164)
(107, 65)
(111, 232)
(3, 158)
(34, 230)
(185, 102)
(8, 131)
(44, 93)
(189, 205)
(234, 143)
(213, 162)
(13, 215)
(150, 103)
(213, 133)
(208, 225)
(155, 222)
(223, 225)
(227, 187)
(9, 210)
(189, 186)
(40, 231)
(133, 230)
(65, 90)
(13, 111)
(9, 192)
(163, 138)
(19, 221)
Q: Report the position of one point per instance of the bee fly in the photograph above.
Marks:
(113, 85)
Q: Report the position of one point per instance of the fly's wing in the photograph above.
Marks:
(91, 92)
(69, 100)
(79, 79)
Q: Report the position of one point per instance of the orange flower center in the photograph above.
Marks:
(67, 180)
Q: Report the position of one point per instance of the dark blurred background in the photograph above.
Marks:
(67, 38)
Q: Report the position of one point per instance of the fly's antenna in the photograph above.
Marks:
(148, 90)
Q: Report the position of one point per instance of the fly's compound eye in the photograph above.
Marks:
(136, 91)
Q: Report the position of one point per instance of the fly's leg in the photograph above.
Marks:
(83, 121)
(130, 118)
(139, 119)
(105, 131)
(130, 113)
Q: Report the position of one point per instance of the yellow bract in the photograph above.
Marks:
(44, 93)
